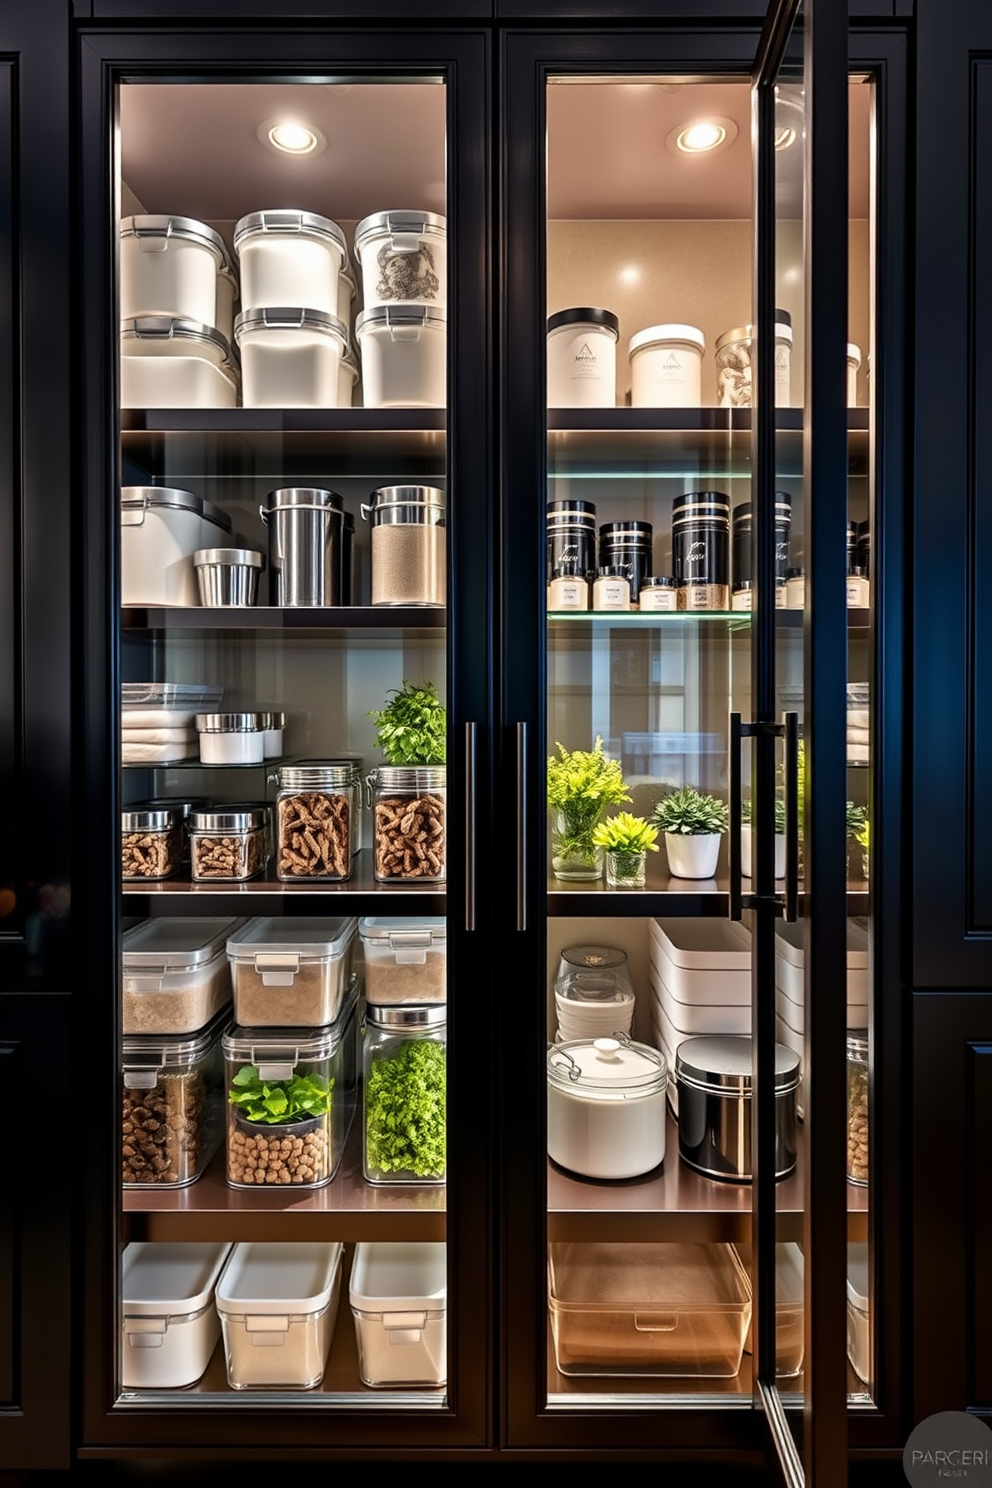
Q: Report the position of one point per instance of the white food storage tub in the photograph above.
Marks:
(347, 290)
(404, 259)
(406, 959)
(858, 1310)
(404, 350)
(853, 363)
(290, 258)
(582, 358)
(227, 298)
(171, 363)
(230, 738)
(176, 974)
(789, 963)
(169, 1325)
(278, 1303)
(398, 1299)
(347, 377)
(169, 266)
(291, 973)
(702, 961)
(666, 364)
(688, 1019)
(606, 1107)
(290, 358)
(161, 528)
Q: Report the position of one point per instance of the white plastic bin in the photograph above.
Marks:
(176, 974)
(582, 358)
(853, 363)
(169, 266)
(789, 963)
(404, 351)
(666, 367)
(161, 528)
(702, 961)
(858, 1310)
(290, 357)
(398, 1299)
(290, 258)
(688, 1019)
(348, 374)
(171, 363)
(169, 1326)
(278, 1303)
(404, 258)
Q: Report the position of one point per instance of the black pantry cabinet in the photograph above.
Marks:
(903, 457)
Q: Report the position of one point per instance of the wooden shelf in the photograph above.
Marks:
(584, 624)
(384, 620)
(663, 895)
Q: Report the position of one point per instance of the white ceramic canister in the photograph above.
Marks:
(404, 351)
(606, 1107)
(169, 266)
(272, 728)
(582, 358)
(853, 363)
(403, 257)
(290, 258)
(162, 528)
(231, 738)
(666, 364)
(172, 363)
(289, 357)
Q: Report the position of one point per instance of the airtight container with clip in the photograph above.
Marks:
(176, 974)
(405, 1101)
(666, 367)
(169, 1325)
(582, 358)
(290, 356)
(169, 266)
(161, 530)
(714, 1080)
(404, 350)
(316, 811)
(228, 842)
(406, 959)
(291, 973)
(404, 258)
(398, 1296)
(606, 1107)
(290, 258)
(278, 1303)
(172, 1122)
(170, 362)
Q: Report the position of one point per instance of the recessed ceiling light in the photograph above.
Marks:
(702, 136)
(291, 137)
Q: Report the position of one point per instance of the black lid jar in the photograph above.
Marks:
(701, 538)
(742, 528)
(571, 539)
(627, 546)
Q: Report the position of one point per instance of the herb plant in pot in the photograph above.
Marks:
(409, 830)
(581, 784)
(746, 838)
(278, 1129)
(626, 841)
(693, 825)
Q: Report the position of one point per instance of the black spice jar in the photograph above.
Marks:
(627, 547)
(863, 558)
(742, 529)
(571, 539)
(701, 549)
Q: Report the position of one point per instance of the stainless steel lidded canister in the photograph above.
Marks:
(408, 545)
(305, 545)
(714, 1087)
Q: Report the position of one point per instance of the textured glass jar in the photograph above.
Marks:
(408, 545)
(404, 1074)
(625, 870)
(574, 855)
(227, 843)
(316, 809)
(857, 1105)
(409, 831)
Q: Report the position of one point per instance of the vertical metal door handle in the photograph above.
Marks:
(521, 826)
(470, 826)
(736, 901)
(791, 816)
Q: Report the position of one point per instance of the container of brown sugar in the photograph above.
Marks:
(406, 959)
(291, 973)
(408, 545)
(176, 975)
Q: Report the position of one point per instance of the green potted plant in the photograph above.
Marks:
(279, 1128)
(693, 824)
(626, 841)
(581, 784)
(409, 825)
(862, 837)
(746, 838)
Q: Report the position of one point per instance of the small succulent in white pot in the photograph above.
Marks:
(693, 824)
(746, 838)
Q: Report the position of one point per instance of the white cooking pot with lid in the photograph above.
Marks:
(606, 1106)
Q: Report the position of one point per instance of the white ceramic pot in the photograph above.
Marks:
(606, 1107)
(694, 856)
(290, 258)
(746, 851)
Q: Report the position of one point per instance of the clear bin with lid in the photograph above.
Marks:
(406, 959)
(172, 1120)
(405, 1081)
(790, 1315)
(278, 1304)
(633, 1308)
(290, 1101)
(289, 972)
(398, 1295)
(409, 829)
(151, 843)
(176, 974)
(857, 1106)
(316, 808)
(606, 1107)
(290, 257)
(169, 1324)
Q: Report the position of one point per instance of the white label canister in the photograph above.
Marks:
(582, 358)
(666, 367)
(403, 257)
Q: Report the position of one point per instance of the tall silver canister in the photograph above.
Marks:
(305, 545)
(408, 545)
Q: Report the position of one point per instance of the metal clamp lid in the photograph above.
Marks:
(433, 1016)
(404, 226)
(161, 819)
(175, 328)
(233, 818)
(313, 774)
(408, 777)
(151, 231)
(289, 221)
(290, 317)
(142, 498)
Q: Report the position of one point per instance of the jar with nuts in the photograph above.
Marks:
(408, 829)
(151, 843)
(316, 819)
(171, 1117)
(857, 1106)
(227, 842)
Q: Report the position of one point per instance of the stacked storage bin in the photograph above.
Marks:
(402, 328)
(790, 1021)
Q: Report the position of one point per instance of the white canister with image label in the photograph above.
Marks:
(666, 367)
(582, 358)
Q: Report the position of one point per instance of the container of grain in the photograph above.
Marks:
(408, 545)
(291, 973)
(406, 959)
(172, 1117)
(176, 974)
(398, 1295)
(278, 1303)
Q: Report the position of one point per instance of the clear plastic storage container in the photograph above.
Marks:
(406, 959)
(169, 1324)
(278, 1303)
(857, 1106)
(316, 807)
(290, 1101)
(176, 974)
(858, 1310)
(151, 843)
(405, 1082)
(398, 1296)
(409, 808)
(648, 1309)
(291, 973)
(227, 842)
(172, 1119)
(790, 1317)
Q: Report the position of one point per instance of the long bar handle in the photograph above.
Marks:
(736, 892)
(791, 817)
(521, 826)
(470, 734)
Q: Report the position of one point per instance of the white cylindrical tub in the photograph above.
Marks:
(169, 1325)
(404, 259)
(606, 1107)
(169, 267)
(227, 297)
(347, 290)
(170, 363)
(404, 356)
(231, 738)
(582, 358)
(853, 363)
(290, 358)
(161, 528)
(347, 377)
(290, 258)
(666, 367)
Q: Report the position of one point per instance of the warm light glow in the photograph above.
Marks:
(629, 274)
(695, 138)
(784, 138)
(294, 139)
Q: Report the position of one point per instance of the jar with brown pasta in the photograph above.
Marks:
(316, 810)
(227, 843)
(857, 1105)
(408, 826)
(151, 843)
